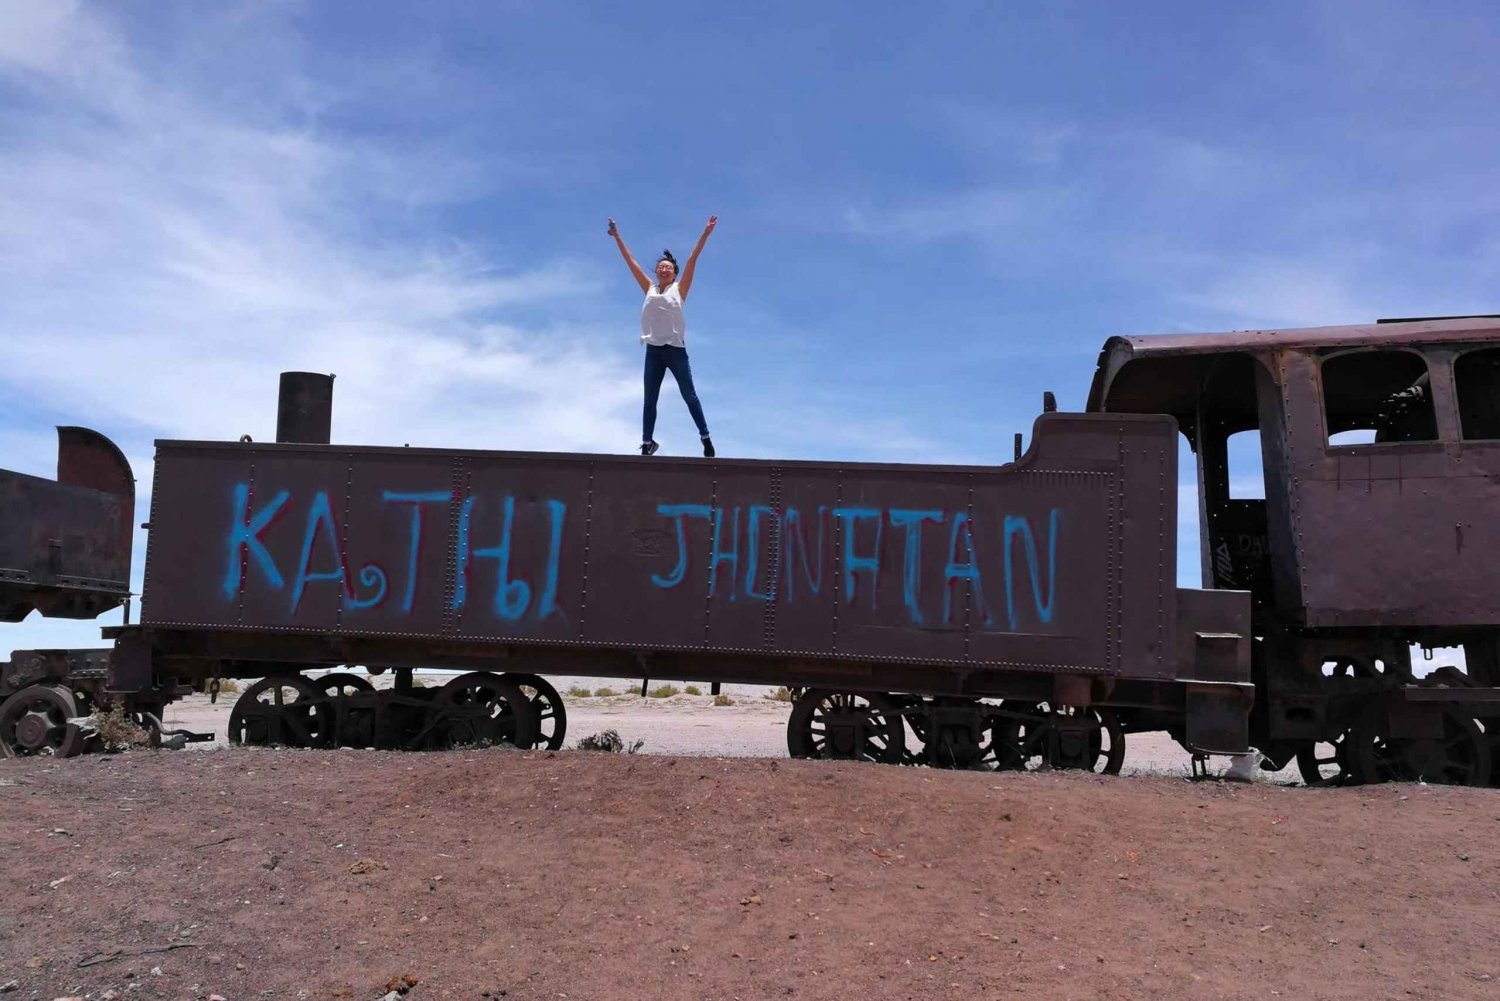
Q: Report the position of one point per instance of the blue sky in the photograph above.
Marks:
(929, 214)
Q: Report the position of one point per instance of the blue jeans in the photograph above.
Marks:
(659, 359)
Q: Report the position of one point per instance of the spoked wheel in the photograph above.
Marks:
(353, 719)
(1326, 763)
(551, 715)
(289, 711)
(1035, 735)
(850, 725)
(481, 709)
(341, 683)
(35, 721)
(1460, 756)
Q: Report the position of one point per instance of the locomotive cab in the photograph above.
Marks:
(1379, 451)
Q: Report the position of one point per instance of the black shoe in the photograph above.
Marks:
(708, 447)
(649, 447)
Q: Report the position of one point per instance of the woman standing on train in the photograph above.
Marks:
(663, 331)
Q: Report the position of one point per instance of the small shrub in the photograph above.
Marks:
(605, 693)
(723, 700)
(579, 692)
(117, 732)
(782, 694)
(692, 690)
(664, 691)
(417, 681)
(610, 742)
(227, 686)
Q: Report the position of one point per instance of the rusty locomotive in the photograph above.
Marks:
(959, 616)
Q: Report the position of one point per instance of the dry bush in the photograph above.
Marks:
(782, 694)
(664, 691)
(723, 700)
(692, 690)
(579, 692)
(227, 686)
(605, 693)
(610, 742)
(117, 732)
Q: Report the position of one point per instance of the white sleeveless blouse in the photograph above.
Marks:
(661, 317)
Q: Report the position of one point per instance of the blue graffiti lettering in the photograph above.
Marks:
(416, 501)
(752, 561)
(547, 604)
(511, 596)
(718, 554)
(244, 538)
(853, 561)
(910, 577)
(319, 521)
(679, 512)
(1019, 527)
(797, 547)
(968, 570)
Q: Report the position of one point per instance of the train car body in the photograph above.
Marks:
(1051, 578)
(64, 553)
(65, 543)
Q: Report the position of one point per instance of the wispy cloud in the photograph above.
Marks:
(176, 254)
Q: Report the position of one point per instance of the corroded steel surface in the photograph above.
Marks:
(65, 543)
(1389, 533)
(1061, 562)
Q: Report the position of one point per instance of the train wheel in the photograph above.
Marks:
(288, 711)
(1325, 763)
(551, 714)
(35, 721)
(341, 683)
(482, 709)
(849, 725)
(353, 724)
(1039, 736)
(1460, 756)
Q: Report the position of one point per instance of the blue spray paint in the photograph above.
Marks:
(968, 570)
(718, 554)
(319, 521)
(244, 537)
(416, 501)
(853, 562)
(547, 603)
(461, 577)
(752, 561)
(679, 512)
(911, 581)
(1020, 527)
(796, 544)
(512, 597)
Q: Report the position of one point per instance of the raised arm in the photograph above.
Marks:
(686, 281)
(635, 269)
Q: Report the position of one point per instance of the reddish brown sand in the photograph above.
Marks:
(285, 874)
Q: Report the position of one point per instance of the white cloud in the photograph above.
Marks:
(166, 256)
(176, 255)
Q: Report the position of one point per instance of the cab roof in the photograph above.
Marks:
(1167, 371)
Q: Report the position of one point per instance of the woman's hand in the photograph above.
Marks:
(612, 230)
(713, 221)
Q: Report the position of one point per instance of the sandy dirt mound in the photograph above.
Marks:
(530, 875)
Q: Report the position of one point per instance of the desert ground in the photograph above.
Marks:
(710, 866)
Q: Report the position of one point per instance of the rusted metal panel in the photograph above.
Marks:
(65, 544)
(1015, 566)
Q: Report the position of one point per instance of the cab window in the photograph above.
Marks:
(1476, 379)
(1377, 397)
